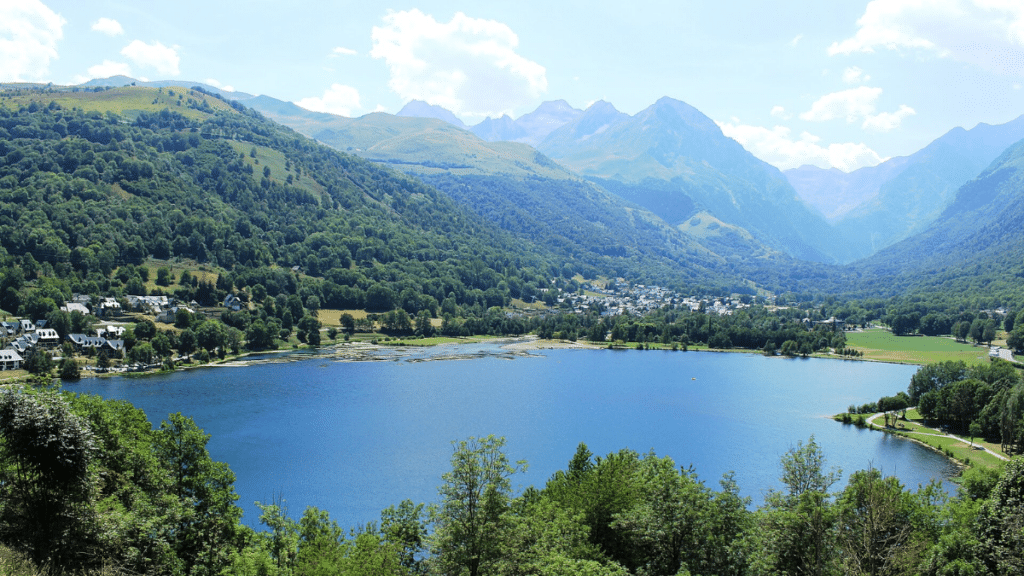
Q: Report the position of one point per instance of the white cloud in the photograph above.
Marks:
(886, 121)
(777, 147)
(342, 51)
(780, 112)
(850, 104)
(469, 65)
(108, 26)
(796, 40)
(338, 99)
(213, 82)
(986, 33)
(165, 60)
(854, 75)
(108, 69)
(856, 104)
(29, 32)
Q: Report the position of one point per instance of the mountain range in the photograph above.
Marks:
(666, 185)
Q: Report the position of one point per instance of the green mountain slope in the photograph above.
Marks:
(525, 193)
(90, 181)
(973, 248)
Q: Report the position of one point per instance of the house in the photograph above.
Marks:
(75, 307)
(167, 316)
(109, 306)
(9, 328)
(82, 342)
(47, 337)
(20, 345)
(833, 324)
(110, 331)
(10, 360)
(27, 326)
(232, 302)
(114, 346)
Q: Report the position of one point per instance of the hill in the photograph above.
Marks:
(98, 181)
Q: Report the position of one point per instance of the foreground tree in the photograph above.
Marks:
(797, 527)
(208, 531)
(45, 482)
(470, 522)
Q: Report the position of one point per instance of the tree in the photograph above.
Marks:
(45, 457)
(348, 322)
(69, 369)
(38, 361)
(1000, 521)
(797, 526)
(875, 523)
(206, 534)
(470, 522)
(405, 527)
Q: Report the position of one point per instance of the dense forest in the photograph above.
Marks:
(90, 485)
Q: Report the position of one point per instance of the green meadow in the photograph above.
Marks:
(881, 345)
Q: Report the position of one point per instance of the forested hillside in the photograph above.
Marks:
(94, 181)
(973, 248)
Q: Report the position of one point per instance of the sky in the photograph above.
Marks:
(841, 84)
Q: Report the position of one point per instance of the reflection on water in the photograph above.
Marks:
(353, 437)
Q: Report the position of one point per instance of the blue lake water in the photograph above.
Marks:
(355, 437)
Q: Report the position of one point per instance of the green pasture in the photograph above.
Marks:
(127, 101)
(881, 345)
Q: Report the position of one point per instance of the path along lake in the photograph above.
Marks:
(355, 437)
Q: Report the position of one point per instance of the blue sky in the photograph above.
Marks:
(843, 84)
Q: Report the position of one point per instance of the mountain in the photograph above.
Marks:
(596, 119)
(420, 109)
(835, 193)
(529, 128)
(180, 174)
(974, 247)
(903, 195)
(525, 193)
(675, 161)
(499, 129)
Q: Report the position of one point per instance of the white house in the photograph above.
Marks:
(10, 360)
(48, 337)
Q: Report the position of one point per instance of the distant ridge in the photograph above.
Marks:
(420, 109)
(877, 206)
(674, 160)
(118, 81)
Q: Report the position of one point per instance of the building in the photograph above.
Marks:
(47, 338)
(10, 360)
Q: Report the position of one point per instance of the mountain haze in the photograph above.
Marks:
(973, 247)
(903, 195)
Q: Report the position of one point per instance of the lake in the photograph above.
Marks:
(353, 437)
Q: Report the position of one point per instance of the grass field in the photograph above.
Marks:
(127, 101)
(881, 345)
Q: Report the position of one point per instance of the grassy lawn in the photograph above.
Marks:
(881, 345)
(332, 316)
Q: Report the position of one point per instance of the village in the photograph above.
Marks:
(103, 322)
